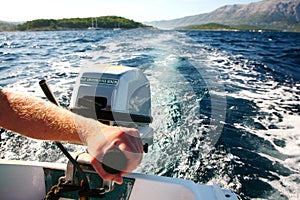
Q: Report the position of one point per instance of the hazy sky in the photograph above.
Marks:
(138, 10)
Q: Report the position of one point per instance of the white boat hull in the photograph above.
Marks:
(21, 180)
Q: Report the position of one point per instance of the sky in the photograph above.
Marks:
(138, 10)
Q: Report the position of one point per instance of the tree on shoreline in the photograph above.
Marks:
(105, 22)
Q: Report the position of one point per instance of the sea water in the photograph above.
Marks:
(225, 105)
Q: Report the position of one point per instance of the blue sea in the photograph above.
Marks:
(225, 105)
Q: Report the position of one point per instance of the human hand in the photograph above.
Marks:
(125, 139)
(101, 138)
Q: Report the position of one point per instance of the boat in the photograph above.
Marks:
(22, 180)
(118, 96)
(117, 28)
(94, 27)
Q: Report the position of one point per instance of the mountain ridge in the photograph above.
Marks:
(270, 14)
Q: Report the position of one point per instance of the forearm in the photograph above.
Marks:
(39, 119)
(36, 118)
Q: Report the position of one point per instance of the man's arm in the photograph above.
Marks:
(36, 118)
(39, 119)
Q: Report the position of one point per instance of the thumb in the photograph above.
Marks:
(118, 179)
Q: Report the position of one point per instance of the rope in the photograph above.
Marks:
(62, 186)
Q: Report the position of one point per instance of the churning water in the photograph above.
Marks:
(225, 104)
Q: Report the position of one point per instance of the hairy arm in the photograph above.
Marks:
(35, 118)
(39, 119)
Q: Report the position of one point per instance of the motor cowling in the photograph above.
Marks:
(114, 95)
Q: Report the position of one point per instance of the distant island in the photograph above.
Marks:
(104, 22)
(265, 15)
(222, 27)
(7, 26)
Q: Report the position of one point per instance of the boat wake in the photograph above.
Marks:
(221, 114)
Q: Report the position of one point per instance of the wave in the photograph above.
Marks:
(225, 110)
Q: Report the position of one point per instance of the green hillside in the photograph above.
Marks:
(105, 22)
(216, 26)
(209, 26)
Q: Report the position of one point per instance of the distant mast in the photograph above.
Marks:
(92, 27)
(117, 28)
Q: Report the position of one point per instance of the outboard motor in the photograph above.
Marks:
(115, 95)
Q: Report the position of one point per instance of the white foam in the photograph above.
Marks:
(274, 101)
